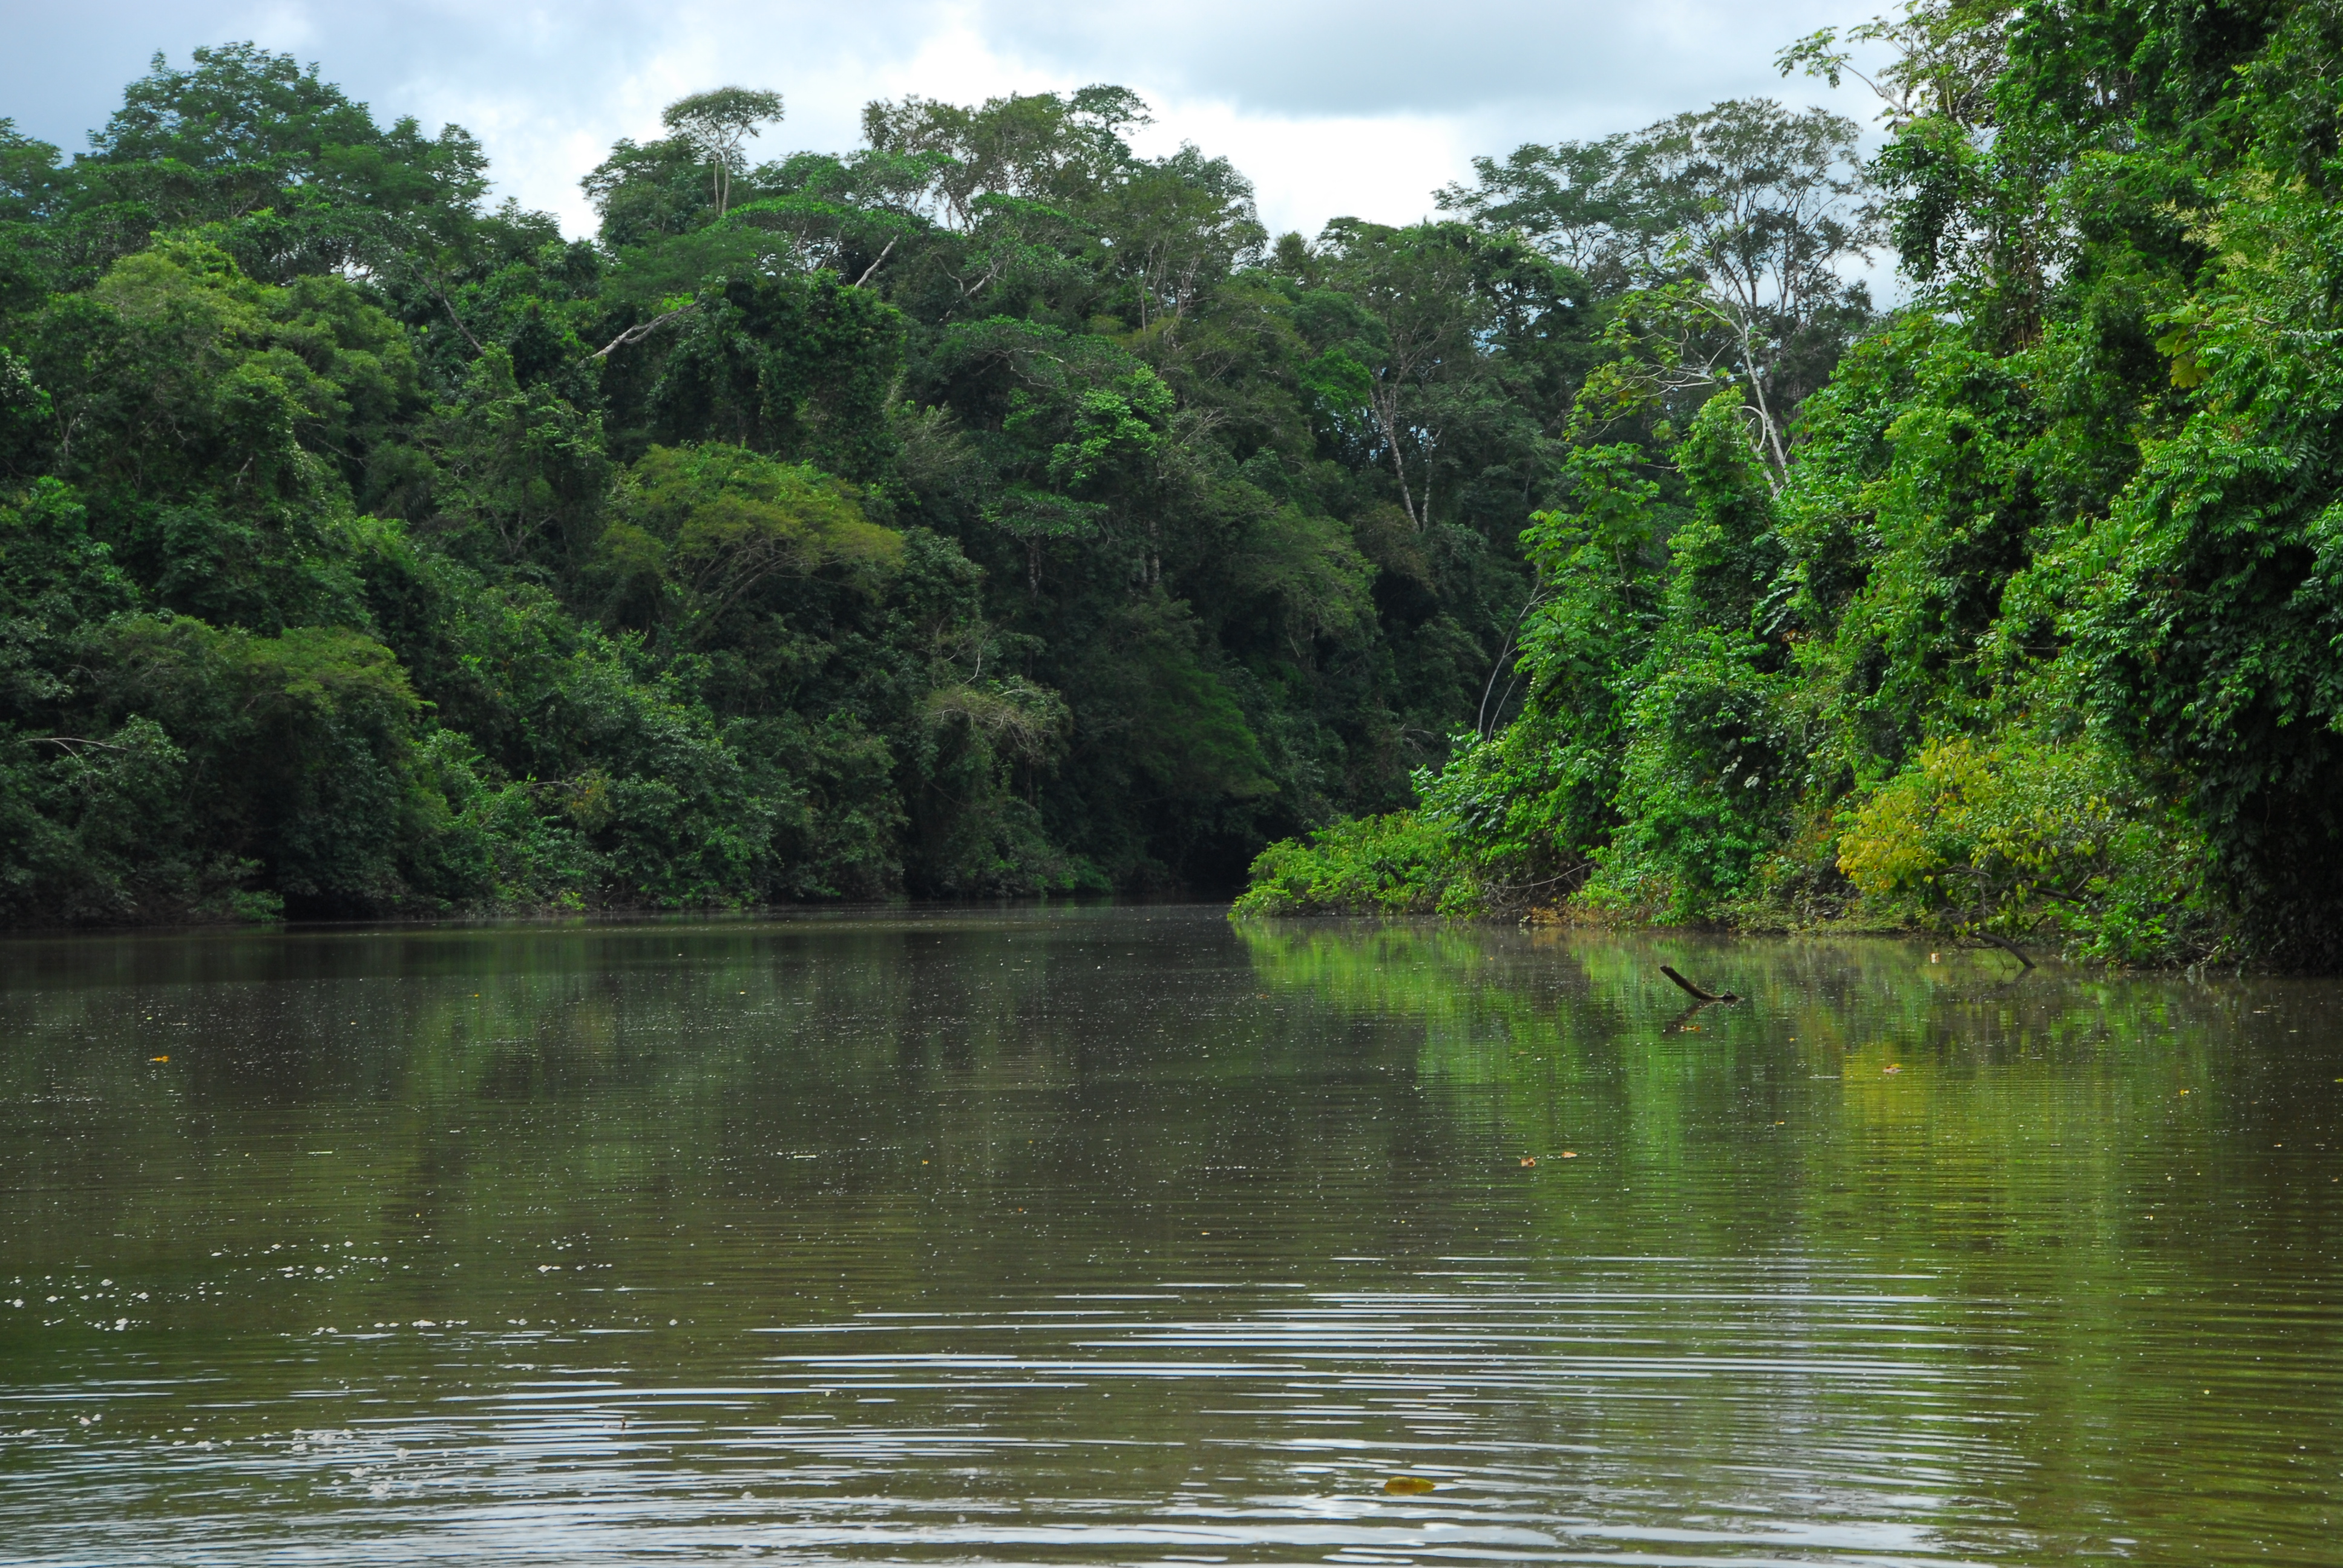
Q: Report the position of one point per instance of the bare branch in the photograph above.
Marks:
(458, 320)
(875, 265)
(643, 330)
(2004, 944)
(1704, 995)
(70, 741)
(1537, 594)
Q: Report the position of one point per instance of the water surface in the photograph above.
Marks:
(1123, 1235)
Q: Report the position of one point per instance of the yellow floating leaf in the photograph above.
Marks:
(158, 1058)
(1408, 1486)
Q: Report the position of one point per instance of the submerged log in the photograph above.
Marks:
(2005, 944)
(1695, 991)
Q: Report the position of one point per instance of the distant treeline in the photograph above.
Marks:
(990, 511)
(985, 511)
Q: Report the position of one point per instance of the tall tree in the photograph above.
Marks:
(1757, 214)
(716, 124)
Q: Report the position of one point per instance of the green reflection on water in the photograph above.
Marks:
(1102, 1234)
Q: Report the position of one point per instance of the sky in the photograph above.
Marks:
(1361, 108)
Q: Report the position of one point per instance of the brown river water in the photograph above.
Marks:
(1125, 1235)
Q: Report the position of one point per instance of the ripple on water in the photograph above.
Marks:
(1117, 1235)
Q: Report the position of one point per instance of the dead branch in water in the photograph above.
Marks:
(1695, 991)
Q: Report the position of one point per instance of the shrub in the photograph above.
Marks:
(2022, 840)
(1397, 864)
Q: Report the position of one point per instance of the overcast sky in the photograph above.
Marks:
(1361, 108)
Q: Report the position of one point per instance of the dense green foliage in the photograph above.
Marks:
(2035, 632)
(989, 509)
(985, 510)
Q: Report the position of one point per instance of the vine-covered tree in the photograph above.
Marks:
(2030, 635)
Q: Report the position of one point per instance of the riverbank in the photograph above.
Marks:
(2150, 914)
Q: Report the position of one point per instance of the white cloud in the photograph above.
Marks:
(1382, 167)
(1361, 108)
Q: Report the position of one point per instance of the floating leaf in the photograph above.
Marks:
(158, 1058)
(1528, 1160)
(1408, 1486)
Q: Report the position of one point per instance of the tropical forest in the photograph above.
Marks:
(1761, 518)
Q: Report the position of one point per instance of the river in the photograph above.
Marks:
(1121, 1234)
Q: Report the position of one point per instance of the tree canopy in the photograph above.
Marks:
(991, 509)
(985, 509)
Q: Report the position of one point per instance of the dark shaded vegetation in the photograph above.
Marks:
(987, 510)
